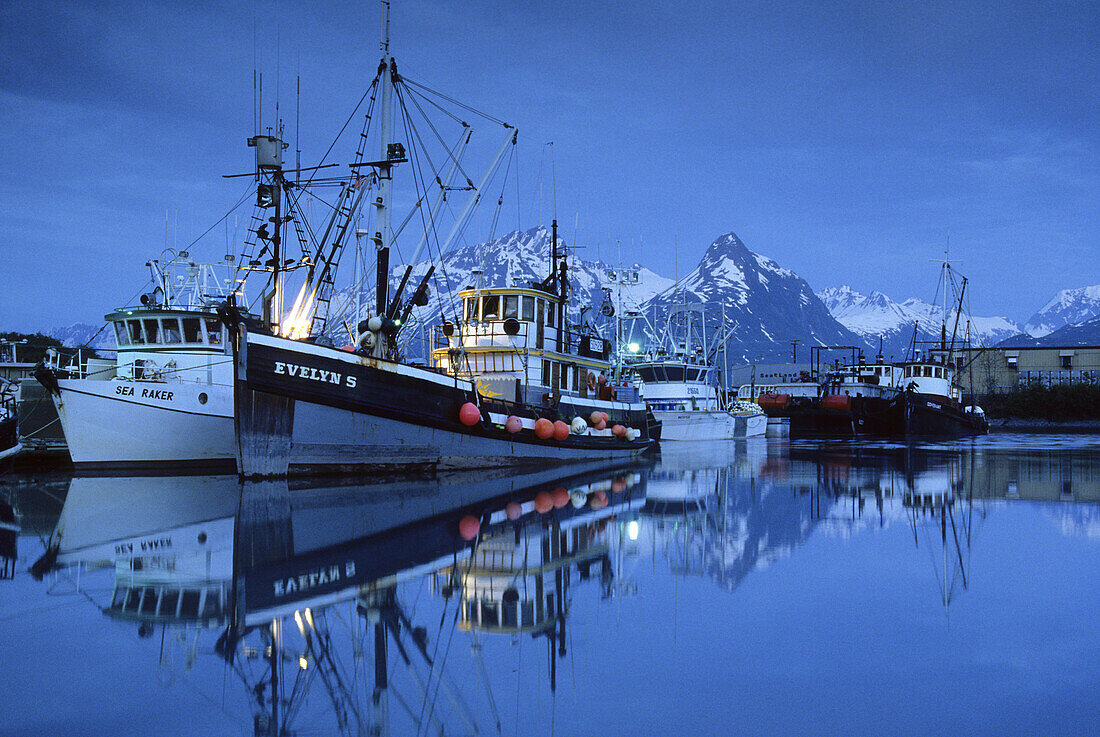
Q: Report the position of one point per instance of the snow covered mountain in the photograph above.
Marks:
(84, 334)
(876, 315)
(1067, 307)
(517, 258)
(1082, 333)
(766, 306)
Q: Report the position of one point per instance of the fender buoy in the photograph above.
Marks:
(599, 499)
(513, 511)
(561, 430)
(578, 426)
(560, 497)
(543, 502)
(595, 417)
(468, 527)
(513, 424)
(591, 380)
(544, 428)
(601, 424)
(469, 415)
(618, 431)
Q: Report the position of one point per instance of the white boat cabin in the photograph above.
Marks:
(678, 385)
(867, 380)
(512, 342)
(930, 377)
(170, 345)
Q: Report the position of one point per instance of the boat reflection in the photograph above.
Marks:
(313, 586)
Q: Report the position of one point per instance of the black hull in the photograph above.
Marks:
(302, 408)
(904, 416)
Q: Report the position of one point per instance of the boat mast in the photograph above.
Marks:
(382, 236)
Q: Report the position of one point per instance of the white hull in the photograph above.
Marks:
(709, 425)
(147, 424)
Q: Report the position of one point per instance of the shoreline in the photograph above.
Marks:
(1017, 424)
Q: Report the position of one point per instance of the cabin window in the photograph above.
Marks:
(545, 373)
(120, 333)
(170, 330)
(491, 308)
(576, 379)
(555, 374)
(528, 308)
(192, 333)
(152, 331)
(511, 306)
(647, 374)
(674, 373)
(550, 315)
(939, 372)
(213, 332)
(136, 336)
(928, 371)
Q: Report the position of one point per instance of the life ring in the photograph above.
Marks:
(614, 394)
(591, 380)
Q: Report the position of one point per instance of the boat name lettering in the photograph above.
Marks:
(146, 393)
(147, 546)
(693, 390)
(313, 374)
(314, 578)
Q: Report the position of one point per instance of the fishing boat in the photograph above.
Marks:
(681, 385)
(511, 386)
(166, 400)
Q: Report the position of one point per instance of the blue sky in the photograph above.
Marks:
(848, 141)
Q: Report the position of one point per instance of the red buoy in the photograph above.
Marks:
(468, 527)
(606, 417)
(348, 348)
(513, 424)
(595, 417)
(560, 497)
(561, 430)
(543, 502)
(469, 415)
(618, 485)
(599, 499)
(602, 424)
(544, 428)
(513, 511)
(618, 431)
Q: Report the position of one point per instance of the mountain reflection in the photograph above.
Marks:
(488, 602)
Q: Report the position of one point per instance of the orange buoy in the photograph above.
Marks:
(513, 511)
(543, 502)
(468, 527)
(773, 401)
(841, 402)
(560, 497)
(618, 485)
(599, 499)
(544, 428)
(591, 380)
(606, 417)
(601, 424)
(513, 424)
(469, 415)
(618, 431)
(561, 430)
(595, 417)
(348, 348)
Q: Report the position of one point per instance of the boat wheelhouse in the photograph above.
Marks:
(513, 344)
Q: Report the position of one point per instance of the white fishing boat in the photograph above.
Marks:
(166, 400)
(682, 387)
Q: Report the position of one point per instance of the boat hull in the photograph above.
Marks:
(709, 425)
(302, 408)
(904, 415)
(147, 425)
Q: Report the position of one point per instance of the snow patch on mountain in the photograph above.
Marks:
(1068, 307)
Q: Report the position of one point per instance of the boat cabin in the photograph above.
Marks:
(678, 385)
(930, 377)
(512, 342)
(165, 344)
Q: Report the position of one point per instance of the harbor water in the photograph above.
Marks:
(761, 587)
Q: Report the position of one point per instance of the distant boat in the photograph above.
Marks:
(680, 384)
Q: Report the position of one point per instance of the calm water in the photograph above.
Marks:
(759, 589)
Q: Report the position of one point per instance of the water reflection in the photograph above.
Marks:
(489, 603)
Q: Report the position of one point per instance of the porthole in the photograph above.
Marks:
(202, 397)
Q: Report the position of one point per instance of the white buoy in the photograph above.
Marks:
(631, 434)
(578, 426)
(578, 498)
(374, 324)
